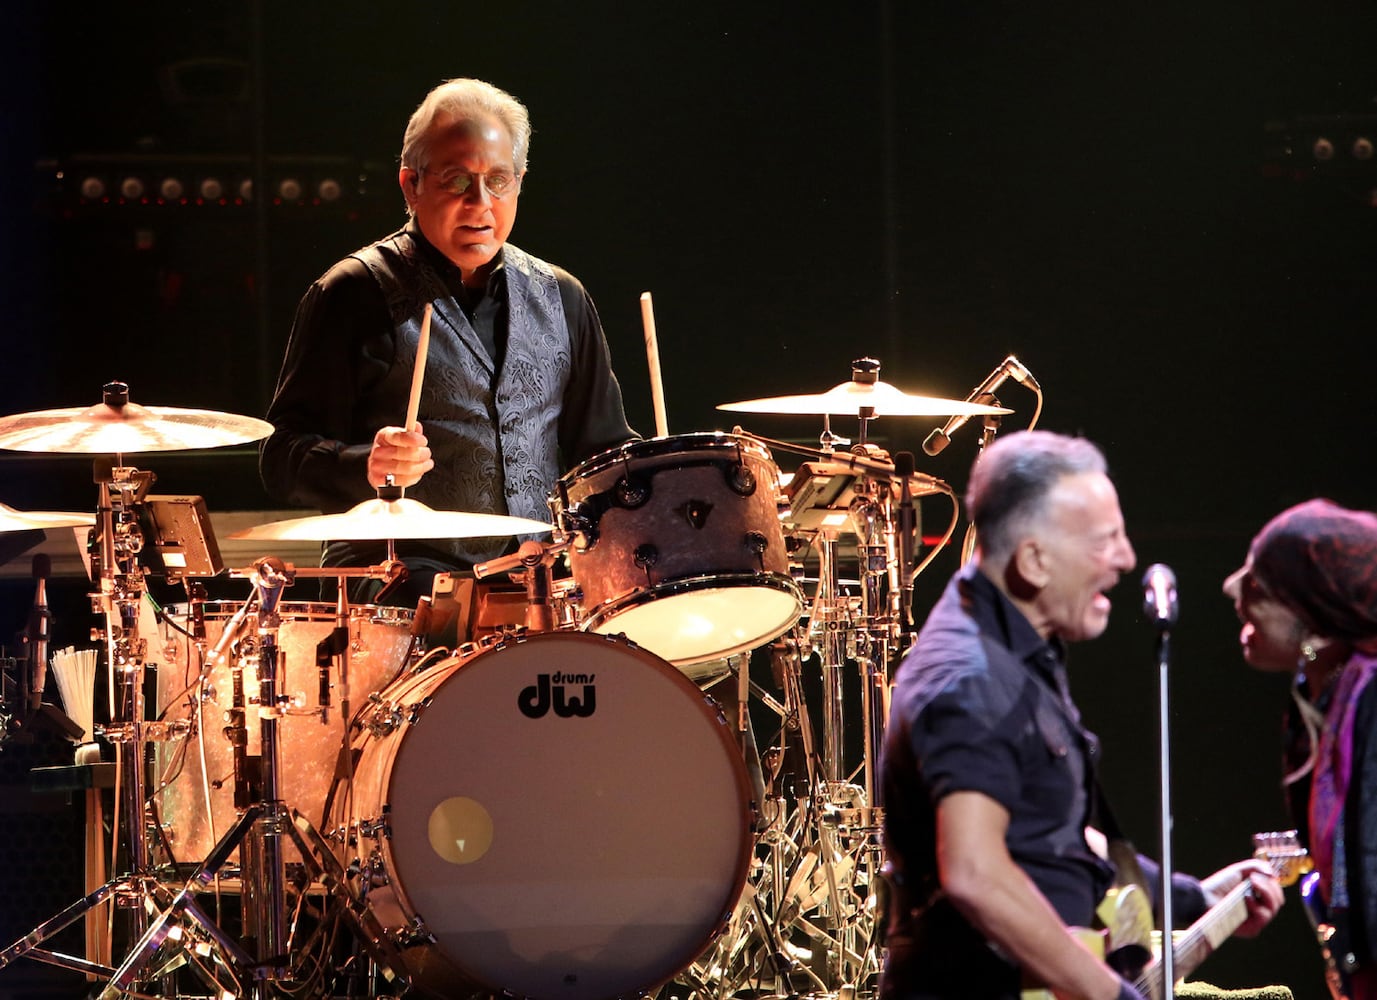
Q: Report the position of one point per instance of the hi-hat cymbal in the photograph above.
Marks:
(850, 397)
(117, 427)
(26, 520)
(391, 520)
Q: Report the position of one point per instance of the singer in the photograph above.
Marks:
(986, 766)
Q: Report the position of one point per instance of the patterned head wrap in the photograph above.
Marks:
(1320, 560)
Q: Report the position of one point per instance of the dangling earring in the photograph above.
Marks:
(1308, 653)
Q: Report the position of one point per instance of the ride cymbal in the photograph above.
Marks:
(389, 520)
(851, 397)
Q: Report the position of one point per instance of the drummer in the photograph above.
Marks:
(518, 382)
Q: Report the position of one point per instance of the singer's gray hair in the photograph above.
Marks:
(1010, 482)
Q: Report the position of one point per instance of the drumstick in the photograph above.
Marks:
(652, 350)
(422, 347)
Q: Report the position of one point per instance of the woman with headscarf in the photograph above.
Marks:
(1307, 597)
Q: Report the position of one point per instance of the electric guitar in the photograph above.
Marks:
(1128, 938)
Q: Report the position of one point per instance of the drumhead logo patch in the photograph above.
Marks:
(552, 691)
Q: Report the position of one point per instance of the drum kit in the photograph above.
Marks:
(575, 804)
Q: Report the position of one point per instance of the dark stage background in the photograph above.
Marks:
(1100, 189)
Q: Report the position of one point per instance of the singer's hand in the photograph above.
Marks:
(404, 455)
(1263, 903)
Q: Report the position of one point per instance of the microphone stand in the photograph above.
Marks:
(987, 435)
(1161, 610)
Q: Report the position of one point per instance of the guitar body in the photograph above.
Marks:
(1129, 946)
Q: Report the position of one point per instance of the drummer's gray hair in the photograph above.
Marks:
(461, 99)
(1010, 482)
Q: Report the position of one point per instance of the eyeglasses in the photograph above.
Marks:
(499, 183)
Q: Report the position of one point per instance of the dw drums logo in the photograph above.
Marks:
(550, 691)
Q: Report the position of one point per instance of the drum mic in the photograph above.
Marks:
(1159, 595)
(38, 629)
(270, 575)
(1009, 368)
(907, 529)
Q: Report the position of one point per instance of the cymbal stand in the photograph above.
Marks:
(259, 833)
(808, 922)
(114, 564)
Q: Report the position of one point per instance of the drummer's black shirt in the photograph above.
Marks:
(342, 342)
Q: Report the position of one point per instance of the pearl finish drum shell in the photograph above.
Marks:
(379, 639)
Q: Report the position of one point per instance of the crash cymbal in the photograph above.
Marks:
(881, 397)
(391, 520)
(117, 427)
(26, 520)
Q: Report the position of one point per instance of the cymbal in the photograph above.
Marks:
(26, 520)
(850, 397)
(391, 520)
(118, 430)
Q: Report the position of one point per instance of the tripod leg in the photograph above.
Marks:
(167, 923)
(325, 868)
(30, 941)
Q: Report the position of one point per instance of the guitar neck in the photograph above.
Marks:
(1200, 940)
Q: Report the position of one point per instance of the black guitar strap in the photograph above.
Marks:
(1122, 854)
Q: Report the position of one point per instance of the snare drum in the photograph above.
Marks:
(678, 545)
(559, 815)
(309, 732)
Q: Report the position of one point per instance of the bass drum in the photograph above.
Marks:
(559, 815)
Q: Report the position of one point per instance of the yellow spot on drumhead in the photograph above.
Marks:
(460, 830)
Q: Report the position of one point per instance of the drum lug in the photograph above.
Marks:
(416, 934)
(374, 829)
(377, 872)
(383, 719)
(756, 542)
(741, 479)
(632, 492)
(646, 555)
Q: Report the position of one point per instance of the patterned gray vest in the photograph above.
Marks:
(494, 435)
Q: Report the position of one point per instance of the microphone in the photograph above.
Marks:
(906, 529)
(1009, 368)
(38, 628)
(1159, 595)
(270, 576)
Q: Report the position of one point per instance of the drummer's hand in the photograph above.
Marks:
(404, 455)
